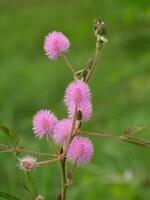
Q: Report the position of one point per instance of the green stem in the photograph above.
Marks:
(37, 153)
(125, 138)
(67, 62)
(5, 151)
(31, 185)
(63, 179)
(93, 66)
(21, 150)
(53, 146)
(100, 134)
(47, 161)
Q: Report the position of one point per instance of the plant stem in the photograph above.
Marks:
(67, 62)
(99, 134)
(31, 185)
(21, 150)
(37, 153)
(73, 167)
(63, 178)
(125, 138)
(93, 66)
(72, 131)
(53, 146)
(48, 161)
(63, 160)
(5, 151)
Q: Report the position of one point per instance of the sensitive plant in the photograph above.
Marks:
(68, 141)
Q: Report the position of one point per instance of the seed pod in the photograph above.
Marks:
(61, 151)
(96, 23)
(79, 115)
(101, 30)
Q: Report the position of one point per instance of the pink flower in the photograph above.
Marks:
(80, 151)
(55, 44)
(62, 131)
(86, 110)
(43, 123)
(28, 163)
(77, 93)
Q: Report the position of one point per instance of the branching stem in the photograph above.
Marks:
(21, 150)
(63, 178)
(67, 62)
(47, 161)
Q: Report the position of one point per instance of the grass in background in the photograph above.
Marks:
(120, 88)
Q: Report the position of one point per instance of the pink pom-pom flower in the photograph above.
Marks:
(80, 151)
(86, 110)
(77, 93)
(43, 123)
(78, 96)
(55, 44)
(62, 131)
(28, 163)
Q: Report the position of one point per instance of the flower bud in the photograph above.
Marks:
(101, 30)
(97, 23)
(39, 198)
(28, 163)
(61, 150)
(79, 115)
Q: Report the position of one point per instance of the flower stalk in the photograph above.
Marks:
(67, 62)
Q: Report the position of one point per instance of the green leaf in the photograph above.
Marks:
(8, 196)
(137, 141)
(12, 136)
(3, 147)
(133, 130)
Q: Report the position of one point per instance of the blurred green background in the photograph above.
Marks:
(120, 87)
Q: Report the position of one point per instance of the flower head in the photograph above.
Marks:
(55, 44)
(62, 131)
(43, 123)
(78, 96)
(86, 110)
(28, 163)
(80, 151)
(77, 93)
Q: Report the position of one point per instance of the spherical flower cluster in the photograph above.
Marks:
(78, 96)
(43, 123)
(77, 93)
(62, 131)
(55, 44)
(86, 110)
(28, 163)
(80, 151)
